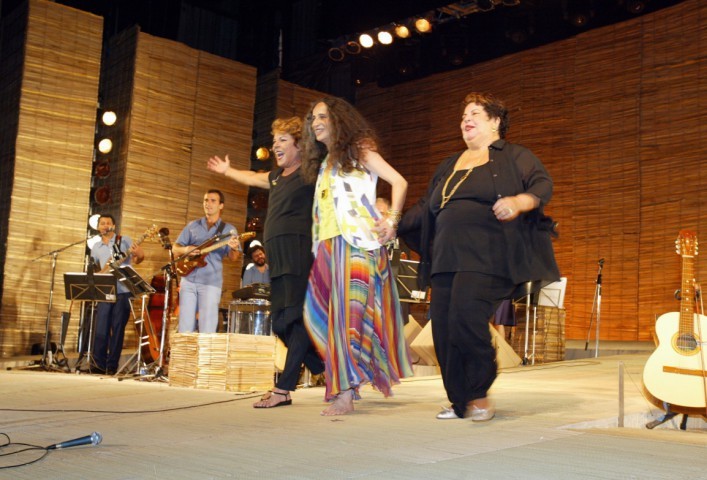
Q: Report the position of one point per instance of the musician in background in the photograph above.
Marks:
(111, 318)
(200, 289)
(258, 271)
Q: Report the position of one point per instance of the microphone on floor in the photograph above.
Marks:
(94, 439)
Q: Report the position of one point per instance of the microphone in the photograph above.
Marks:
(94, 439)
(164, 239)
(601, 262)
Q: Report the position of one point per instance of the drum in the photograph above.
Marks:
(251, 317)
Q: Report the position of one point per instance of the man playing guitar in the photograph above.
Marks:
(111, 318)
(200, 289)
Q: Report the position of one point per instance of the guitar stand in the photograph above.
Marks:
(669, 415)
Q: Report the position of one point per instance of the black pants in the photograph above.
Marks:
(287, 294)
(462, 304)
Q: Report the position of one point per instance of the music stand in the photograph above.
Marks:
(129, 278)
(94, 288)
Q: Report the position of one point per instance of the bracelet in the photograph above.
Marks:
(393, 224)
(395, 215)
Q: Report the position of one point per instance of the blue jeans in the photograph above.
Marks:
(193, 298)
(111, 319)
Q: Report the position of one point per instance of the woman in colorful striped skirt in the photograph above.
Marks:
(352, 310)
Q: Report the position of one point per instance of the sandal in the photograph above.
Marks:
(268, 396)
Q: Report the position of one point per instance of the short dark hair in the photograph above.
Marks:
(106, 215)
(254, 249)
(494, 108)
(221, 196)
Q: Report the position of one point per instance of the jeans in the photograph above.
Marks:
(193, 298)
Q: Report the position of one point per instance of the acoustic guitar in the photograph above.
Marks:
(187, 264)
(675, 372)
(117, 262)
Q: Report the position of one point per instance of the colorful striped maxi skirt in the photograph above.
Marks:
(352, 313)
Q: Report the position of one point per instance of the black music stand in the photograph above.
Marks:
(129, 278)
(94, 288)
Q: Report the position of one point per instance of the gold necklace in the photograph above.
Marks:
(445, 197)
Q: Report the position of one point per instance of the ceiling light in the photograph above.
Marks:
(352, 48)
(263, 153)
(365, 40)
(402, 31)
(423, 25)
(385, 38)
(336, 54)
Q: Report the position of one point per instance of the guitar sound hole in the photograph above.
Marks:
(687, 342)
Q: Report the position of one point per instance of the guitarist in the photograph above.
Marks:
(200, 289)
(111, 318)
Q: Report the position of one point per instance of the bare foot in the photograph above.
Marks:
(342, 404)
(274, 398)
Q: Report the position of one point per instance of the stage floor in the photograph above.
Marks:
(554, 421)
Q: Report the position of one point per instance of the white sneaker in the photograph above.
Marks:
(447, 413)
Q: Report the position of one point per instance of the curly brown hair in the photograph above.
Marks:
(292, 125)
(350, 134)
(494, 108)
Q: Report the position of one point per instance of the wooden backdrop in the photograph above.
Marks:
(617, 116)
(50, 68)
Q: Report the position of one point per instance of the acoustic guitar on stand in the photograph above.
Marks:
(187, 263)
(675, 373)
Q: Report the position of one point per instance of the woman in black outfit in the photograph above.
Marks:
(288, 241)
(482, 237)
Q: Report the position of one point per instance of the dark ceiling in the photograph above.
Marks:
(296, 35)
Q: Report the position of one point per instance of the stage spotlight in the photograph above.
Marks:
(352, 48)
(102, 195)
(109, 118)
(385, 38)
(336, 54)
(105, 145)
(485, 5)
(263, 153)
(365, 40)
(93, 221)
(402, 31)
(423, 25)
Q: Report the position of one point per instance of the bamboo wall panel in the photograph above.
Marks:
(51, 171)
(186, 106)
(616, 115)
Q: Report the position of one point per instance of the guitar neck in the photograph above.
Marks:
(215, 246)
(687, 295)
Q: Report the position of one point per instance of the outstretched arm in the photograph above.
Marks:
(245, 177)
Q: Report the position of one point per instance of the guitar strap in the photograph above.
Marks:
(220, 227)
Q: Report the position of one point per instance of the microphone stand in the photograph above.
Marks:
(54, 254)
(596, 309)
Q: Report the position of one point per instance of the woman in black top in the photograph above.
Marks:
(482, 237)
(288, 241)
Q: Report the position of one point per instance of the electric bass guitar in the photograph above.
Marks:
(117, 262)
(187, 264)
(675, 372)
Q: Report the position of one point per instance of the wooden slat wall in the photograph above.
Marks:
(51, 166)
(186, 106)
(616, 115)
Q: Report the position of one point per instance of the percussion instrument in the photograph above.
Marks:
(251, 317)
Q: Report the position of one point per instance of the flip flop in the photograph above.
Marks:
(267, 396)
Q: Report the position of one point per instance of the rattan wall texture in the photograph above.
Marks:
(617, 116)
